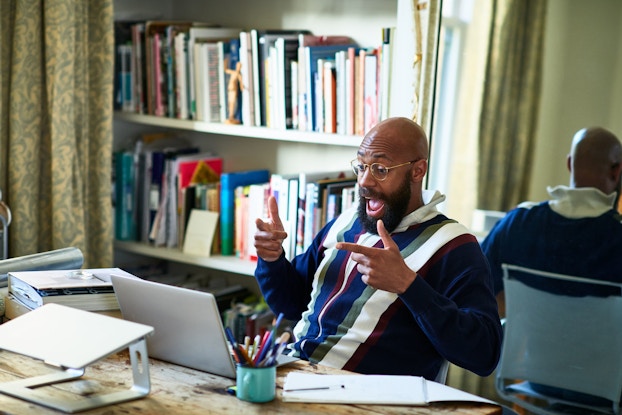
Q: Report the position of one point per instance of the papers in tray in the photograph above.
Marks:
(370, 389)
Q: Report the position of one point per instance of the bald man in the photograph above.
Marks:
(578, 232)
(391, 286)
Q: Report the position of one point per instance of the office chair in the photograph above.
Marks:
(566, 342)
(441, 376)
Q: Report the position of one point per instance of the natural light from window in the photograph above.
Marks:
(460, 78)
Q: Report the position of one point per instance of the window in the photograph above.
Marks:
(460, 79)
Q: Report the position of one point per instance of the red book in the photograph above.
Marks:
(198, 168)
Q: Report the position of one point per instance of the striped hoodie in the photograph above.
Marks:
(448, 312)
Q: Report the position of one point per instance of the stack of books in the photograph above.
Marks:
(85, 289)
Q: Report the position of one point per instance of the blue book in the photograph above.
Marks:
(125, 225)
(228, 182)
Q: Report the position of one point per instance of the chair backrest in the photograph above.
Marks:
(570, 342)
(441, 376)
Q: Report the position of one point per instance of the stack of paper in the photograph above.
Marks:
(86, 289)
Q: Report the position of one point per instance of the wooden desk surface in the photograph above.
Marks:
(179, 390)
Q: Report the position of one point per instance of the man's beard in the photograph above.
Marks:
(395, 206)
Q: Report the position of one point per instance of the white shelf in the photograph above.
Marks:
(219, 262)
(263, 133)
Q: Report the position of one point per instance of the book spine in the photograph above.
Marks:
(294, 94)
(227, 214)
(292, 207)
(359, 98)
(248, 117)
(125, 227)
(223, 63)
(310, 205)
(318, 124)
(181, 89)
(340, 92)
(126, 98)
(140, 78)
(256, 68)
(169, 61)
(350, 90)
(330, 98)
(302, 89)
(199, 82)
(213, 82)
(159, 79)
(370, 93)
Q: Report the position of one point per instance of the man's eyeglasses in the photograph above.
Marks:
(379, 171)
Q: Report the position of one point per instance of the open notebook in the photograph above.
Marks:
(371, 389)
(188, 326)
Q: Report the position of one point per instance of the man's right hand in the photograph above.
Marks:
(270, 234)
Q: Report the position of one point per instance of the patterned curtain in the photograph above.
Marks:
(56, 125)
(510, 102)
(427, 17)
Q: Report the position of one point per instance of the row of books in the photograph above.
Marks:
(285, 79)
(163, 197)
(308, 201)
(157, 184)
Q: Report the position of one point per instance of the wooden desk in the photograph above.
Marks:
(179, 390)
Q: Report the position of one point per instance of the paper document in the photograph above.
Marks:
(370, 389)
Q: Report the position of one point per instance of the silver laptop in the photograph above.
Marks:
(188, 327)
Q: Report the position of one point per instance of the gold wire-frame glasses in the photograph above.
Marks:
(379, 171)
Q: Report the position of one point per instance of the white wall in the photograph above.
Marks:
(582, 84)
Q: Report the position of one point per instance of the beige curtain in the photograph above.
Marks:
(510, 102)
(507, 126)
(56, 125)
(426, 15)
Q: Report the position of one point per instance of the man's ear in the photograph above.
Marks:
(616, 172)
(419, 170)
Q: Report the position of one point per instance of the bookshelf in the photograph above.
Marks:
(262, 133)
(217, 262)
(245, 147)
